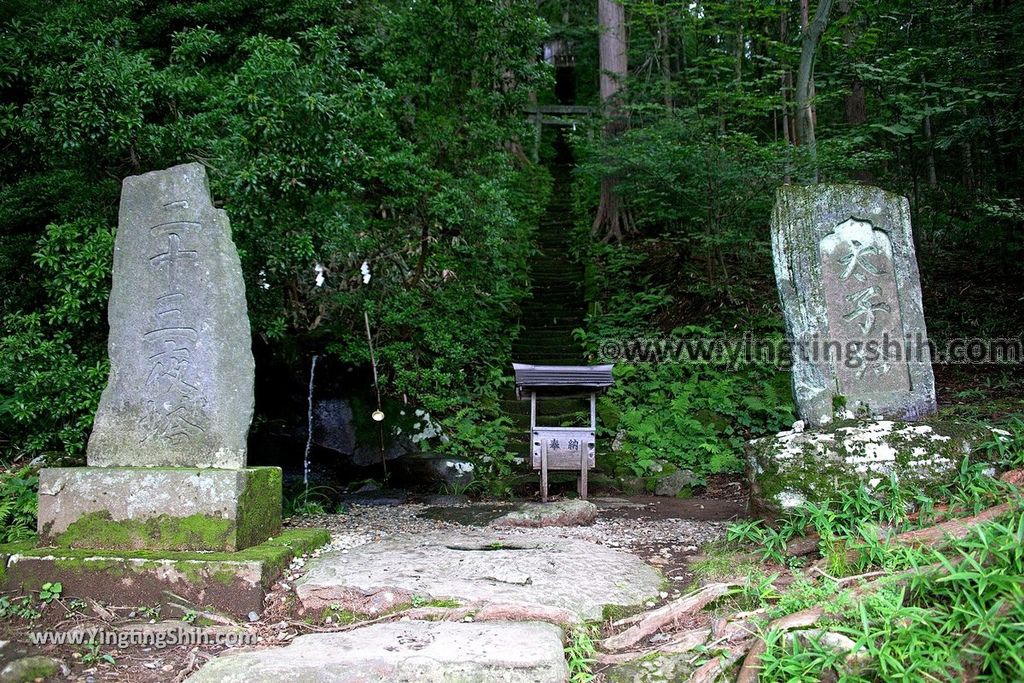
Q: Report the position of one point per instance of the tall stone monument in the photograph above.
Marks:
(167, 456)
(851, 294)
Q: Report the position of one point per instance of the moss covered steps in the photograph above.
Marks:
(556, 306)
(232, 582)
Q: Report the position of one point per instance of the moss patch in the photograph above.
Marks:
(33, 668)
(259, 508)
(195, 532)
(234, 582)
(850, 453)
(247, 512)
(277, 551)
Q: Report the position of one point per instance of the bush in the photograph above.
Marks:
(330, 137)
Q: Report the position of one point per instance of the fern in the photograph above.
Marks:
(18, 493)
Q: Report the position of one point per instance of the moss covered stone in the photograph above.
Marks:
(234, 582)
(27, 669)
(195, 532)
(796, 467)
(259, 508)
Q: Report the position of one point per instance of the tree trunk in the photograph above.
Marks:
(855, 101)
(739, 56)
(784, 90)
(612, 220)
(611, 17)
(804, 116)
(933, 179)
(665, 55)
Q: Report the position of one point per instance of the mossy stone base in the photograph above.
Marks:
(234, 583)
(158, 508)
(796, 467)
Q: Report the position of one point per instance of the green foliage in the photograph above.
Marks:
(694, 413)
(861, 519)
(50, 591)
(694, 417)
(18, 495)
(18, 607)
(1006, 447)
(93, 655)
(334, 135)
(580, 653)
(961, 612)
(54, 358)
(307, 502)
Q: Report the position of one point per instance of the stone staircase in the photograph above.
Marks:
(555, 308)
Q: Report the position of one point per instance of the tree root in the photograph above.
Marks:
(672, 612)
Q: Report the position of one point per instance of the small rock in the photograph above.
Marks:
(674, 483)
(573, 512)
(27, 669)
(253, 616)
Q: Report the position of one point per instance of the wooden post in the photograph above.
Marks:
(538, 121)
(585, 449)
(584, 461)
(543, 451)
(543, 474)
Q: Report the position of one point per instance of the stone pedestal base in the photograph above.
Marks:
(234, 583)
(158, 508)
(796, 467)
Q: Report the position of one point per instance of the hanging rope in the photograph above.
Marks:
(378, 415)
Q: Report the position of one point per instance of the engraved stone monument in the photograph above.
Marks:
(167, 456)
(180, 390)
(848, 279)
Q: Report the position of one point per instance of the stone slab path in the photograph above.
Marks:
(518, 585)
(479, 567)
(402, 652)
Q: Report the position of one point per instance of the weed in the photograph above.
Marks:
(50, 591)
(18, 607)
(580, 652)
(18, 495)
(149, 612)
(315, 500)
(92, 655)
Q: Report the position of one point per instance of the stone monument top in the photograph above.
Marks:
(180, 390)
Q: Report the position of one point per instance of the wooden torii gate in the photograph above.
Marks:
(564, 115)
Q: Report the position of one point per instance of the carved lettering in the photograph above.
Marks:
(862, 306)
(173, 403)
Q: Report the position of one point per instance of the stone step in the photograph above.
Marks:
(525, 571)
(403, 652)
(537, 310)
(538, 331)
(558, 344)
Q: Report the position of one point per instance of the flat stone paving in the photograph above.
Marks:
(402, 652)
(479, 567)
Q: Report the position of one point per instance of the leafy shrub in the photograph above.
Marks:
(54, 359)
(695, 417)
(330, 137)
